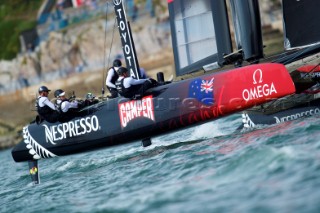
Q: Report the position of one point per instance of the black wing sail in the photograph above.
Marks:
(126, 40)
(301, 18)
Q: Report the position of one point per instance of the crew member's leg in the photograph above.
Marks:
(144, 87)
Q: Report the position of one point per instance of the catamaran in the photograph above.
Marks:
(201, 40)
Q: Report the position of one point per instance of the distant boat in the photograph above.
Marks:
(306, 103)
(201, 40)
(301, 41)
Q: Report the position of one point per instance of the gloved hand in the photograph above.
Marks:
(80, 103)
(72, 98)
(153, 82)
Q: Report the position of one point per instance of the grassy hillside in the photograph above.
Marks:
(15, 17)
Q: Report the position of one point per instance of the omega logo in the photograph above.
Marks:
(260, 89)
(255, 75)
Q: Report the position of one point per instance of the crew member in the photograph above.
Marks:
(45, 107)
(132, 88)
(112, 78)
(90, 99)
(63, 104)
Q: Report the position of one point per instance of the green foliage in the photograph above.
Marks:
(15, 17)
(9, 39)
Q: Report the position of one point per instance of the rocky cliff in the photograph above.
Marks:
(88, 46)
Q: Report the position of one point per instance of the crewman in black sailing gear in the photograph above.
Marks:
(112, 78)
(129, 87)
(67, 109)
(62, 103)
(45, 107)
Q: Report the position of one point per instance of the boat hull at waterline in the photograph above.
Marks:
(163, 109)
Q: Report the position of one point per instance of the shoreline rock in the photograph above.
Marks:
(9, 141)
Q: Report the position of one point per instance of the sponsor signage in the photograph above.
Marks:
(71, 129)
(259, 88)
(134, 109)
(249, 86)
(310, 75)
(126, 39)
(295, 116)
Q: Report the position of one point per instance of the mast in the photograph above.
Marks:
(129, 51)
(248, 32)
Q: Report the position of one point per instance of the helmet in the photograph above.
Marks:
(90, 96)
(122, 70)
(59, 93)
(117, 63)
(43, 89)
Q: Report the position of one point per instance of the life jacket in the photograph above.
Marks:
(125, 92)
(115, 76)
(46, 112)
(58, 105)
(42, 110)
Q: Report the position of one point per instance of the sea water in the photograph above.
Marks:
(207, 168)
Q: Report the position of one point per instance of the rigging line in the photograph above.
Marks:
(110, 49)
(114, 24)
(296, 56)
(104, 51)
(115, 20)
(105, 47)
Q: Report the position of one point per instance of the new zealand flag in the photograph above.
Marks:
(202, 90)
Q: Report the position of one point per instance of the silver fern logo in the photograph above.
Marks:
(117, 2)
(35, 149)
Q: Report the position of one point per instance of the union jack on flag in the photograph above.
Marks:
(207, 86)
(202, 90)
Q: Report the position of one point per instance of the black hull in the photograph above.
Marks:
(256, 118)
(163, 109)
